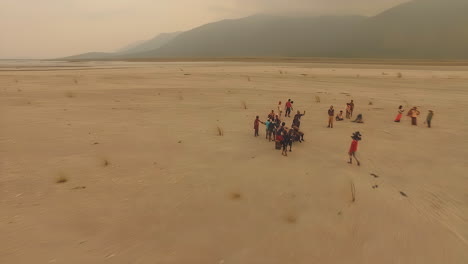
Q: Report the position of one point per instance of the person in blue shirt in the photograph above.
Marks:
(267, 125)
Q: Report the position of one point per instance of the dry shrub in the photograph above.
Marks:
(62, 178)
(317, 99)
(399, 75)
(244, 104)
(291, 219)
(220, 131)
(353, 192)
(105, 162)
(235, 196)
(371, 103)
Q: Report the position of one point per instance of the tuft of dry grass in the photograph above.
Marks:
(399, 75)
(244, 104)
(105, 162)
(235, 196)
(371, 103)
(291, 219)
(70, 94)
(62, 178)
(220, 131)
(248, 78)
(317, 99)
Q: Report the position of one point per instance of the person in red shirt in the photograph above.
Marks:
(353, 149)
(288, 108)
(256, 125)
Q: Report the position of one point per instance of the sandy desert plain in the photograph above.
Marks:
(122, 162)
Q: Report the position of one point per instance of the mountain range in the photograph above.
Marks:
(419, 29)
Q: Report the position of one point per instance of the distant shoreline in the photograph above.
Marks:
(291, 60)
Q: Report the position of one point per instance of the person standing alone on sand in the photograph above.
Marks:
(348, 111)
(353, 149)
(288, 108)
(400, 114)
(413, 113)
(429, 118)
(256, 125)
(331, 115)
(351, 108)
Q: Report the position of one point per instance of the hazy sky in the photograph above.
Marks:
(55, 28)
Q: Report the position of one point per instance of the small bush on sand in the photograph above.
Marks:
(62, 178)
(353, 192)
(400, 75)
(235, 196)
(291, 219)
(244, 104)
(105, 162)
(220, 131)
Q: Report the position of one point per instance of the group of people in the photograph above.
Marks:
(277, 131)
(339, 116)
(283, 136)
(413, 113)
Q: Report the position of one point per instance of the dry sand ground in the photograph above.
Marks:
(150, 181)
